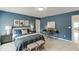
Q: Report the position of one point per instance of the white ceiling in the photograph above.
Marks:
(33, 11)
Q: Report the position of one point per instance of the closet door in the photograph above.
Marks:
(37, 26)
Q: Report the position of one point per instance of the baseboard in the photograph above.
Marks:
(64, 39)
(61, 39)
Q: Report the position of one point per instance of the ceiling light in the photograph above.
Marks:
(41, 9)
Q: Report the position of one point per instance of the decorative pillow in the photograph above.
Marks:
(17, 32)
(24, 31)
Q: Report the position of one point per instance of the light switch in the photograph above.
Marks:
(69, 27)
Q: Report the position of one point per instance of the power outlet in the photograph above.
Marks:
(64, 36)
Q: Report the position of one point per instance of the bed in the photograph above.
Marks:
(22, 38)
(21, 42)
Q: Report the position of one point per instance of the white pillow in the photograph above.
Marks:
(24, 31)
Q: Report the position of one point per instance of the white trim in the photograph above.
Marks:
(72, 27)
(64, 39)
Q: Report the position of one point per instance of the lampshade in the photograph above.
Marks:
(32, 26)
(7, 27)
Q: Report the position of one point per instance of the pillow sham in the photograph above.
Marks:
(16, 33)
(24, 31)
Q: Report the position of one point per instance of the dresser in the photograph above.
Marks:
(6, 38)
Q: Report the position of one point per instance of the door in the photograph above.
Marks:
(37, 26)
(75, 28)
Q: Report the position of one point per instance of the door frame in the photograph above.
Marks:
(72, 28)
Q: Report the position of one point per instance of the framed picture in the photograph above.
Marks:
(21, 22)
(26, 23)
(51, 24)
(16, 23)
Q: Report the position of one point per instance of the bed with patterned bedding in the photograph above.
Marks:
(21, 42)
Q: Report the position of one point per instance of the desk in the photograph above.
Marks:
(50, 32)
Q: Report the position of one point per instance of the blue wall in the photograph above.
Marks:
(63, 21)
(7, 18)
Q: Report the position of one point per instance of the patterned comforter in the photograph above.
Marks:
(22, 41)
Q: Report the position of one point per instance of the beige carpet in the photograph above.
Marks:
(8, 47)
(50, 45)
(60, 45)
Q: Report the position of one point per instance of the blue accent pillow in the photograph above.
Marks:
(18, 31)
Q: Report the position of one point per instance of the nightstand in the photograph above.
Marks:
(6, 39)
